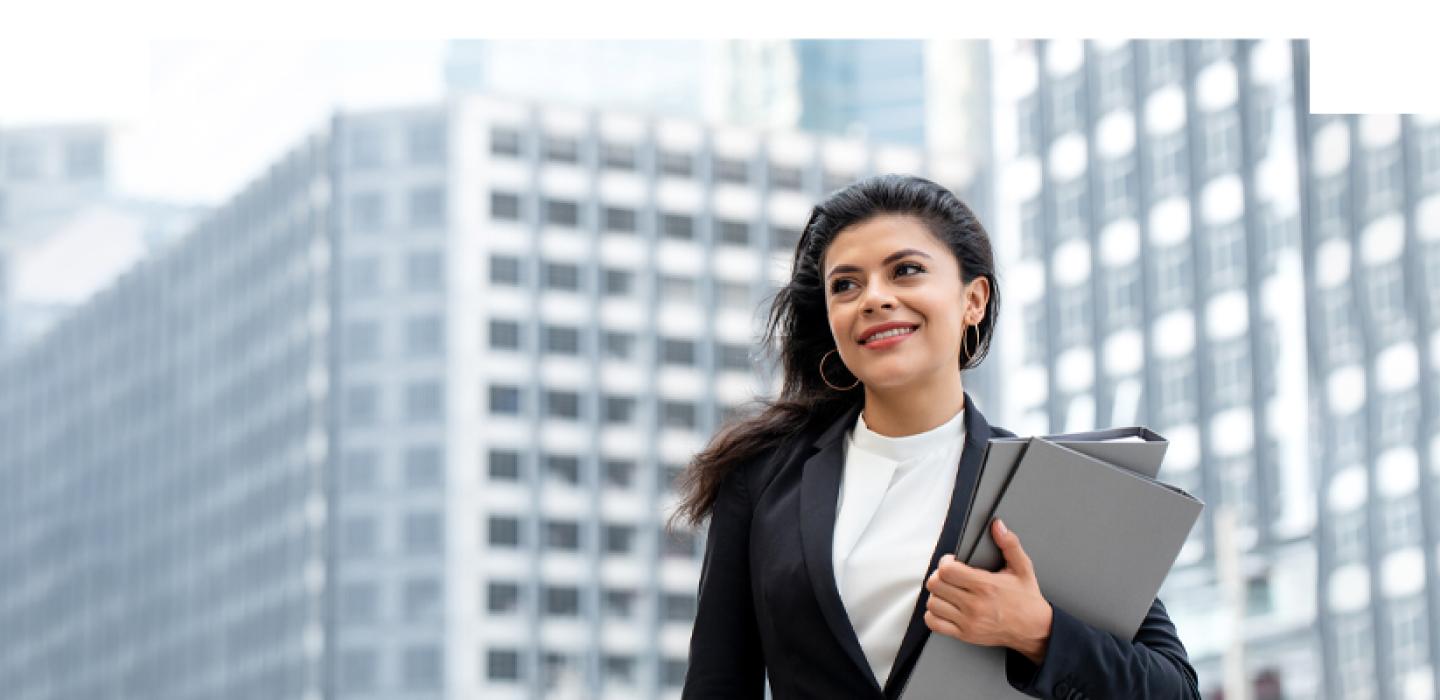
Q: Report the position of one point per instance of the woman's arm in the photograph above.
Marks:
(1084, 662)
(725, 660)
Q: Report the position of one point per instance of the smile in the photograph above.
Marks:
(885, 339)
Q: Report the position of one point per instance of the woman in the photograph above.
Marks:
(831, 507)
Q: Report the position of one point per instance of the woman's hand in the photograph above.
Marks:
(1003, 608)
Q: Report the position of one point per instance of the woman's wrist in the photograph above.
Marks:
(1035, 643)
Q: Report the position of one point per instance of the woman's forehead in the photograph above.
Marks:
(875, 239)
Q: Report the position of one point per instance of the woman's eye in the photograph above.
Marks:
(910, 265)
(838, 286)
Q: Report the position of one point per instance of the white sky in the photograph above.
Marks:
(194, 121)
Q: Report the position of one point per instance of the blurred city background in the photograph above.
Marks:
(395, 412)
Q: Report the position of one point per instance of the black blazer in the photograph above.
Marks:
(768, 601)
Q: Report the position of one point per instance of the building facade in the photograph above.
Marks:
(1149, 208)
(402, 419)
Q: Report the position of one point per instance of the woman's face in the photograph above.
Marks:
(896, 303)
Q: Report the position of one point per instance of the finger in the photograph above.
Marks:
(943, 626)
(1015, 557)
(946, 609)
(959, 574)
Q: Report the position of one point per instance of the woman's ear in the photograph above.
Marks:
(977, 293)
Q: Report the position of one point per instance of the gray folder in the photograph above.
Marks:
(1102, 533)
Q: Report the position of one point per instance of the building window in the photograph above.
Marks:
(1341, 330)
(733, 295)
(619, 283)
(1401, 522)
(620, 219)
(786, 178)
(423, 533)
(732, 171)
(422, 598)
(619, 409)
(505, 400)
(1123, 287)
(367, 148)
(424, 272)
(1386, 284)
(84, 159)
(1067, 103)
(504, 465)
(564, 405)
(423, 467)
(677, 290)
(617, 156)
(1232, 374)
(358, 603)
(357, 536)
(357, 670)
(424, 402)
(734, 357)
(1115, 85)
(618, 670)
(367, 211)
(361, 471)
(562, 277)
(619, 346)
(1165, 61)
(619, 473)
(677, 607)
(504, 206)
(421, 668)
(618, 603)
(505, 270)
(785, 239)
(1173, 281)
(502, 665)
(1035, 333)
(678, 414)
(1409, 639)
(362, 405)
(502, 597)
(503, 531)
(562, 213)
(1176, 379)
(677, 352)
(619, 539)
(562, 149)
(1074, 306)
(1027, 121)
(362, 277)
(362, 341)
(734, 232)
(1119, 184)
(1382, 178)
(1399, 418)
(678, 227)
(677, 164)
(1227, 256)
(427, 207)
(424, 336)
(1348, 532)
(563, 468)
(1168, 165)
(505, 142)
(680, 543)
(1032, 229)
(505, 335)
(834, 180)
(562, 340)
(1071, 210)
(1222, 142)
(563, 535)
(562, 601)
(426, 143)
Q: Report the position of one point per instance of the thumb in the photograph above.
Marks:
(1015, 557)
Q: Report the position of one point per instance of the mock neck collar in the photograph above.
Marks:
(907, 447)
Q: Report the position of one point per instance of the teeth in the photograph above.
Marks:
(889, 334)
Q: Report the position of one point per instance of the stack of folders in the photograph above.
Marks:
(1100, 529)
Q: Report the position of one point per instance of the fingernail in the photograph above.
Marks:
(1003, 530)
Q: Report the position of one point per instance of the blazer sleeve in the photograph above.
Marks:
(1084, 662)
(725, 657)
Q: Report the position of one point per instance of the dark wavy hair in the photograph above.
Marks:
(798, 329)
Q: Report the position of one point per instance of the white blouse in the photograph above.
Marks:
(894, 495)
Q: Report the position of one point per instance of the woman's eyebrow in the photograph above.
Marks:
(888, 259)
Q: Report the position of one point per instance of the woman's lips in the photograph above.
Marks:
(889, 342)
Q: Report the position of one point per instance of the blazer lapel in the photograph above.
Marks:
(819, 493)
(977, 438)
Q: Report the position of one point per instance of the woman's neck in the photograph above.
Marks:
(901, 411)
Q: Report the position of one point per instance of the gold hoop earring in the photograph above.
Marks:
(965, 342)
(827, 381)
